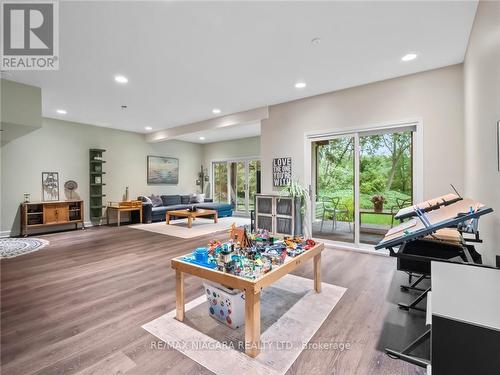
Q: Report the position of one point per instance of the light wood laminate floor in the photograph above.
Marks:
(77, 306)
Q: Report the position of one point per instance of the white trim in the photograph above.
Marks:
(327, 134)
(6, 233)
(418, 162)
(239, 158)
(356, 158)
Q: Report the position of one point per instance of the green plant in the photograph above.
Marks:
(296, 190)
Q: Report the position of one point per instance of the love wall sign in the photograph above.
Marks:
(282, 171)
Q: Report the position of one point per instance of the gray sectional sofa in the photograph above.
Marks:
(155, 209)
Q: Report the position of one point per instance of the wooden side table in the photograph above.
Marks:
(120, 207)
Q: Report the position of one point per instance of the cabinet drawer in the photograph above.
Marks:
(55, 213)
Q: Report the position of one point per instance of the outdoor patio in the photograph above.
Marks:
(369, 233)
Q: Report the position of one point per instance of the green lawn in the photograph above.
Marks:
(375, 219)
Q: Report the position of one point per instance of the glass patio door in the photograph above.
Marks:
(236, 182)
(334, 194)
(238, 186)
(359, 182)
(220, 181)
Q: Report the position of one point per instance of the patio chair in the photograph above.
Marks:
(332, 205)
(400, 203)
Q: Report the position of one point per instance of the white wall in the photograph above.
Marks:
(235, 148)
(435, 96)
(482, 111)
(63, 147)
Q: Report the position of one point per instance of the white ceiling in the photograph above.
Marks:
(230, 132)
(183, 59)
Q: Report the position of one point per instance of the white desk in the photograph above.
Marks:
(467, 294)
(465, 319)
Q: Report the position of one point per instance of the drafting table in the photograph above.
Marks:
(445, 217)
(416, 244)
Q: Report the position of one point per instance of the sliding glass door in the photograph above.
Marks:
(334, 203)
(236, 182)
(360, 181)
(219, 180)
(385, 182)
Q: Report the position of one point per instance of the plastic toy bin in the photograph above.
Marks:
(225, 305)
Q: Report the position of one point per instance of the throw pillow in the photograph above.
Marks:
(171, 200)
(156, 200)
(185, 199)
(192, 198)
(146, 200)
(200, 198)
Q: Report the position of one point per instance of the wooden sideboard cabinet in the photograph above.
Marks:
(36, 215)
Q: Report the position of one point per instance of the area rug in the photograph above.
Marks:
(291, 313)
(200, 227)
(14, 247)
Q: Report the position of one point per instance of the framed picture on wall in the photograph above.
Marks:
(282, 171)
(163, 170)
(50, 186)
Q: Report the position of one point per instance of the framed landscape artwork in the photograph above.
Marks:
(163, 170)
(50, 186)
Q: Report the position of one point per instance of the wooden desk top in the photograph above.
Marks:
(53, 202)
(238, 282)
(431, 204)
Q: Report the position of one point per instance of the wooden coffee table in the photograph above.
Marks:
(191, 215)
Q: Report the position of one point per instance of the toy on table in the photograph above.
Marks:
(249, 261)
(309, 244)
(239, 235)
(224, 258)
(201, 258)
(213, 245)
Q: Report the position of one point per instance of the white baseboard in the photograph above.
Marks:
(6, 233)
(367, 249)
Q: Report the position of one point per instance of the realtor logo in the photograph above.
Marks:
(30, 35)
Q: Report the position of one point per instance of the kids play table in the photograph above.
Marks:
(251, 288)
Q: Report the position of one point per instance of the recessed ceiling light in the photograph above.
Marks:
(121, 79)
(315, 41)
(216, 111)
(202, 138)
(61, 111)
(409, 57)
(124, 106)
(148, 128)
(300, 85)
